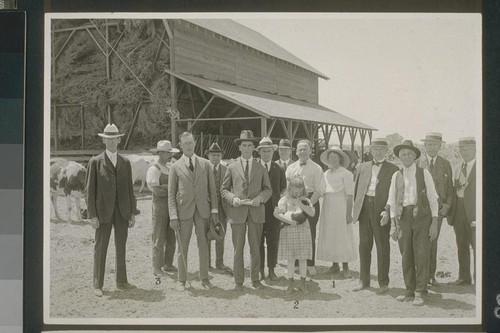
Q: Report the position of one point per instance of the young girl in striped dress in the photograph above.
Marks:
(295, 236)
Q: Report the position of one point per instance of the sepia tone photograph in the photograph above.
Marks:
(312, 169)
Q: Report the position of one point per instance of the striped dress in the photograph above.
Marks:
(295, 241)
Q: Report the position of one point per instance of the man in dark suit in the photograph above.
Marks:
(111, 203)
(271, 231)
(371, 191)
(246, 188)
(192, 201)
(214, 155)
(285, 150)
(463, 216)
(440, 170)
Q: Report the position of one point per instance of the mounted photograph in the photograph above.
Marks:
(262, 169)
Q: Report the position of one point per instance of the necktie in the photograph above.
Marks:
(191, 166)
(284, 165)
(376, 163)
(267, 168)
(303, 163)
(431, 165)
(246, 171)
(215, 171)
(464, 171)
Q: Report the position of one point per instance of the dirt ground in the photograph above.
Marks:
(71, 293)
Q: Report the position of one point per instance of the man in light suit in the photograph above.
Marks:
(440, 170)
(246, 188)
(371, 191)
(192, 200)
(271, 232)
(111, 204)
(214, 154)
(463, 216)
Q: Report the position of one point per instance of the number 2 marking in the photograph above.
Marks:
(296, 304)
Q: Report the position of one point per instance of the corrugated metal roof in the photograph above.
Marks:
(244, 35)
(272, 106)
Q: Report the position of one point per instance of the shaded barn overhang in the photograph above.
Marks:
(272, 106)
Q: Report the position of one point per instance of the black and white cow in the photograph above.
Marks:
(67, 178)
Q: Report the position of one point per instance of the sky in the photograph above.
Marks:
(404, 73)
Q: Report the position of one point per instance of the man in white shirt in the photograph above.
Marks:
(285, 151)
(163, 236)
(414, 211)
(315, 184)
(463, 218)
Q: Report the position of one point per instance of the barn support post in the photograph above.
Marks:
(55, 127)
(271, 127)
(362, 133)
(173, 84)
(205, 108)
(352, 133)
(263, 127)
(82, 119)
(285, 130)
(290, 129)
(295, 127)
(341, 133)
(201, 144)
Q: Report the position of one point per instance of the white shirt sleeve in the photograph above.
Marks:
(153, 177)
(432, 195)
(391, 201)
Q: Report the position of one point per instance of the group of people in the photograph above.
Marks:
(276, 204)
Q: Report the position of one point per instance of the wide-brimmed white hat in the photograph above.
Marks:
(345, 158)
(164, 145)
(467, 140)
(110, 131)
(266, 142)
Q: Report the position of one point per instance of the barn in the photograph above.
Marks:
(214, 77)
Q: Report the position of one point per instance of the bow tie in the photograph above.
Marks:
(376, 163)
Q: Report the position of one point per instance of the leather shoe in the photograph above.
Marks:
(125, 286)
(311, 270)
(459, 282)
(272, 275)
(257, 285)
(158, 272)
(181, 286)
(418, 300)
(225, 269)
(206, 284)
(382, 290)
(262, 275)
(405, 297)
(98, 292)
(169, 269)
(360, 287)
(238, 287)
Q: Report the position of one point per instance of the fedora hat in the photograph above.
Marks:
(409, 145)
(246, 135)
(266, 142)
(468, 140)
(214, 148)
(379, 142)
(216, 232)
(164, 145)
(285, 143)
(345, 158)
(110, 131)
(433, 137)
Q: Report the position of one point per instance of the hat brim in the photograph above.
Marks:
(432, 140)
(214, 151)
(108, 136)
(345, 158)
(274, 146)
(172, 150)
(238, 141)
(399, 147)
(286, 147)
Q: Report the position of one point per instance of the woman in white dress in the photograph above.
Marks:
(336, 235)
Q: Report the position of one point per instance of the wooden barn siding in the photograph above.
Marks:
(200, 53)
(297, 83)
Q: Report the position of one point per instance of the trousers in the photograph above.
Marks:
(414, 245)
(270, 236)
(466, 238)
(102, 235)
(254, 237)
(369, 230)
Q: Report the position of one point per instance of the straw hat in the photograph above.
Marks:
(345, 159)
(433, 137)
(266, 142)
(164, 145)
(110, 131)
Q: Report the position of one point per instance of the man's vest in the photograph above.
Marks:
(422, 209)
(160, 204)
